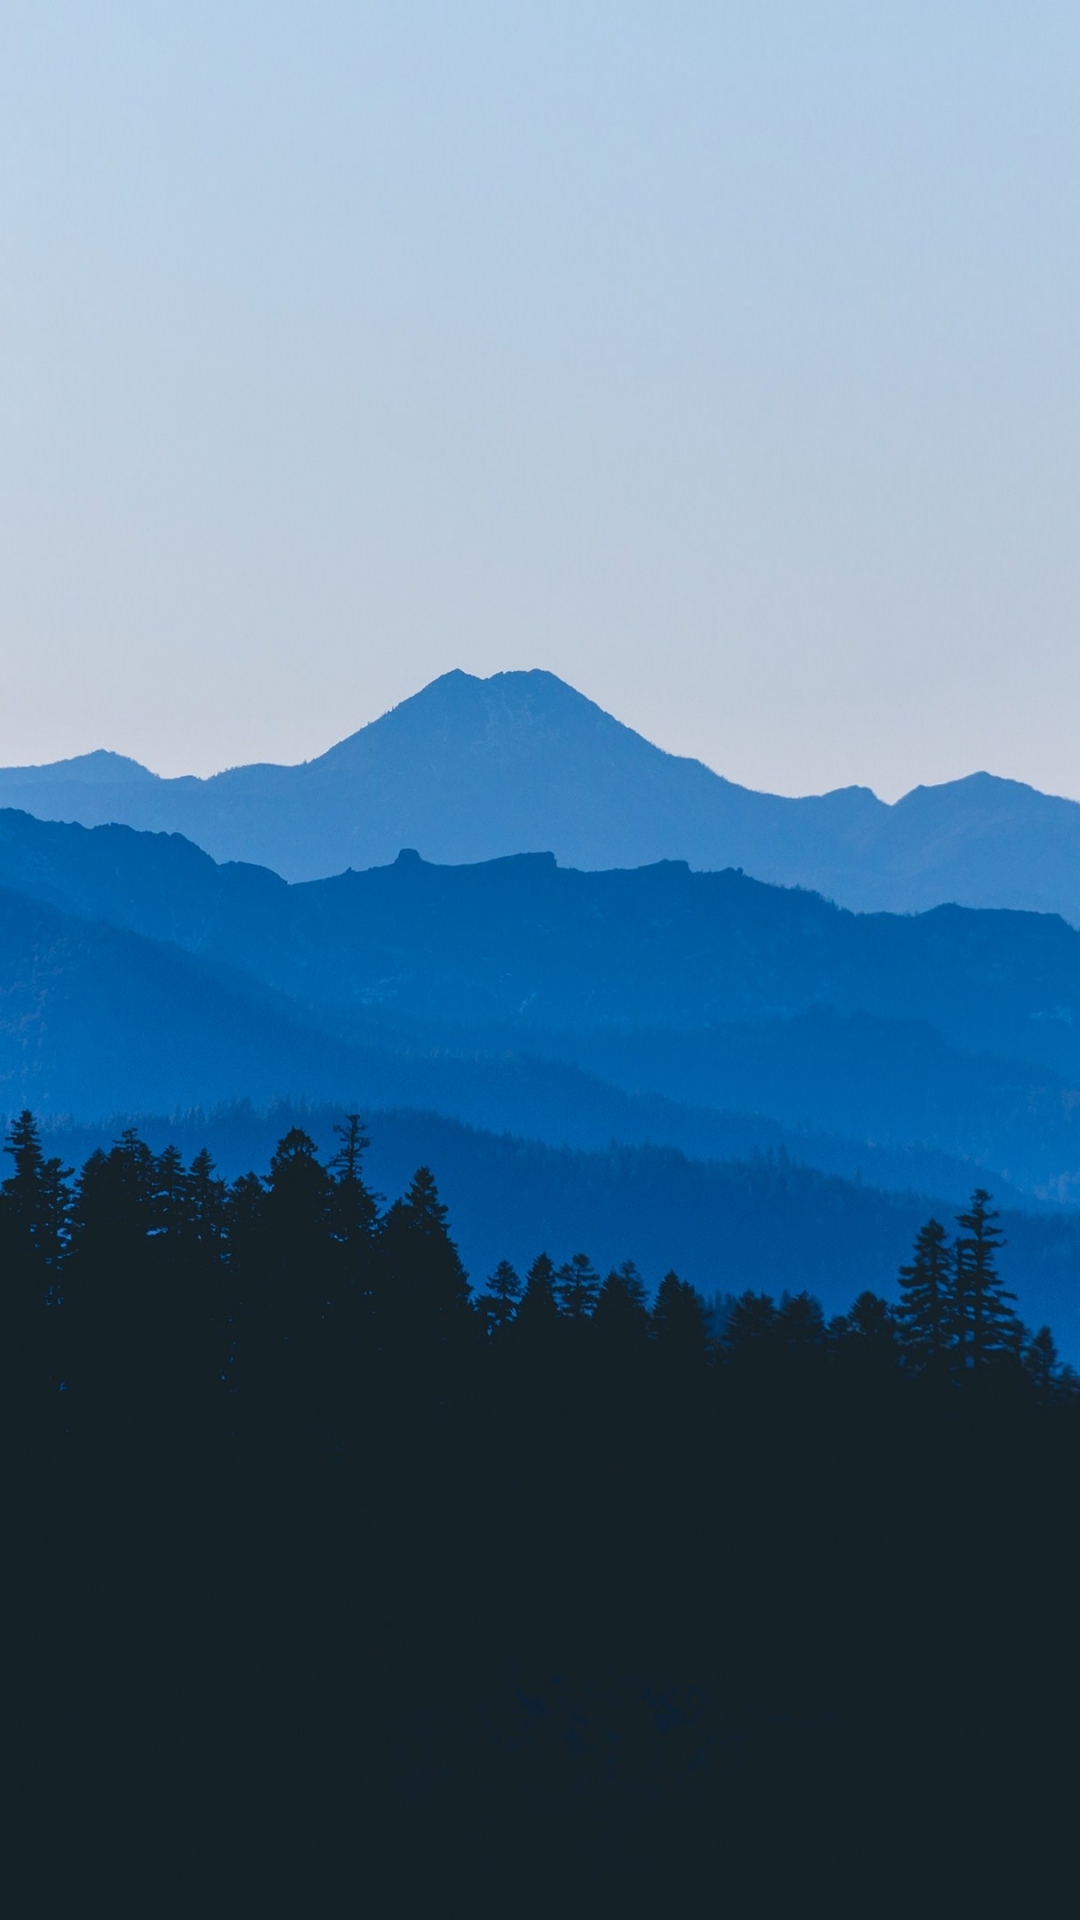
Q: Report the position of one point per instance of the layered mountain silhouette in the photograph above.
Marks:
(470, 770)
(705, 1011)
(575, 1044)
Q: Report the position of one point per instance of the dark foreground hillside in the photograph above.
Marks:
(338, 1589)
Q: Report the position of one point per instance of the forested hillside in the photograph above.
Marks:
(543, 1544)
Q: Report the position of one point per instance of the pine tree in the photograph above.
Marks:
(578, 1287)
(984, 1323)
(111, 1321)
(927, 1307)
(354, 1209)
(621, 1316)
(499, 1303)
(424, 1291)
(680, 1322)
(750, 1327)
(865, 1339)
(35, 1211)
(538, 1313)
(800, 1327)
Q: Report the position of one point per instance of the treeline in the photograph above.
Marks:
(145, 1277)
(537, 1591)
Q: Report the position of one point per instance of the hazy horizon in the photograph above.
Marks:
(722, 359)
(348, 731)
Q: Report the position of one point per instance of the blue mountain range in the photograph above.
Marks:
(473, 769)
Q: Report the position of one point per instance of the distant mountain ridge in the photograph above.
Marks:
(473, 769)
(616, 1037)
(650, 1004)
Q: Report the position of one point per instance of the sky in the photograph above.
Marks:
(723, 359)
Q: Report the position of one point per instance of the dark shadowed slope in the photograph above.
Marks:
(471, 770)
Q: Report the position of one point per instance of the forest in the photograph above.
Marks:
(543, 1576)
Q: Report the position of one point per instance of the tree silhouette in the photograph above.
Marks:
(35, 1212)
(537, 1320)
(927, 1309)
(499, 1303)
(621, 1316)
(423, 1289)
(984, 1324)
(578, 1287)
(680, 1323)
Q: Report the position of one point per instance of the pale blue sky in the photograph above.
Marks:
(724, 359)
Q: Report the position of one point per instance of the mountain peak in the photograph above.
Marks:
(97, 769)
(523, 701)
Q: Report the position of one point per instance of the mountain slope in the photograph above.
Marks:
(705, 1011)
(94, 1020)
(524, 948)
(470, 770)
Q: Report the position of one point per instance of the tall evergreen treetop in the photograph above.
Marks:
(538, 1312)
(578, 1285)
(499, 1303)
(680, 1322)
(621, 1315)
(927, 1298)
(354, 1209)
(984, 1321)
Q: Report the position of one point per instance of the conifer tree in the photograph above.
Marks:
(354, 1209)
(621, 1317)
(111, 1322)
(800, 1326)
(578, 1287)
(985, 1325)
(927, 1309)
(538, 1313)
(680, 1323)
(35, 1211)
(750, 1328)
(499, 1303)
(293, 1305)
(35, 1204)
(424, 1291)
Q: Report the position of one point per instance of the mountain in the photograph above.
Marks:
(587, 1126)
(707, 1012)
(524, 949)
(469, 770)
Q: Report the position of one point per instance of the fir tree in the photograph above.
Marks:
(927, 1298)
(354, 1209)
(35, 1211)
(680, 1322)
(621, 1317)
(984, 1323)
(750, 1327)
(499, 1303)
(538, 1313)
(424, 1291)
(578, 1287)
